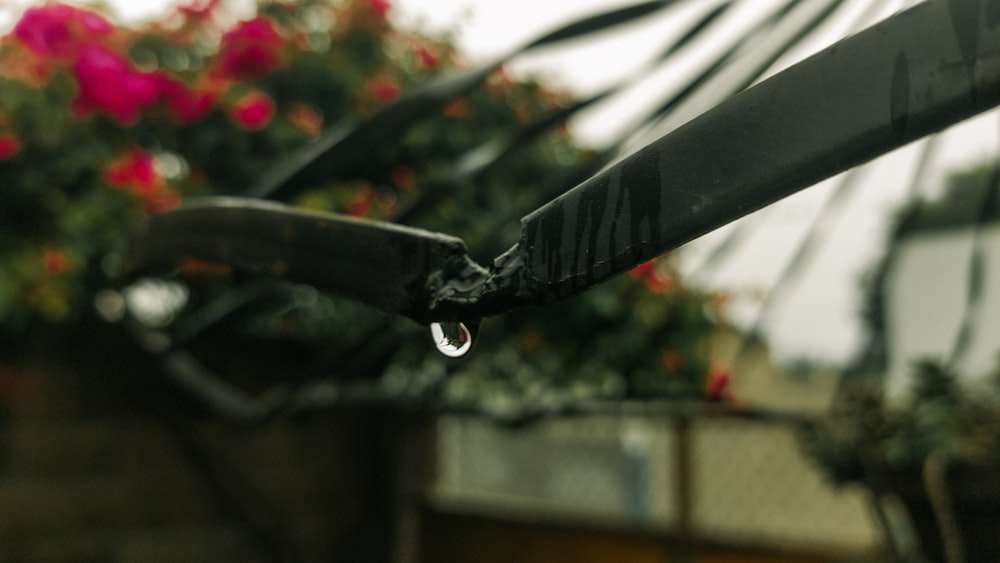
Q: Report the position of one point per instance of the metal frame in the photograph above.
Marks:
(913, 74)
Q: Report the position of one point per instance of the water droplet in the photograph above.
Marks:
(452, 339)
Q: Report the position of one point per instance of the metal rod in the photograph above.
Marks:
(906, 77)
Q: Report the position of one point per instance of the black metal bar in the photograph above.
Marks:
(972, 307)
(391, 267)
(908, 76)
(475, 162)
(335, 153)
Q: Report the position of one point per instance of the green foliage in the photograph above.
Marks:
(940, 415)
(103, 125)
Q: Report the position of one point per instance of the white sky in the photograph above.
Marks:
(818, 317)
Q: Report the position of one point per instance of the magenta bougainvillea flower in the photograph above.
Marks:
(57, 30)
(184, 104)
(108, 83)
(103, 125)
(252, 49)
(252, 111)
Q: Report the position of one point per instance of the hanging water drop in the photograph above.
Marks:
(453, 339)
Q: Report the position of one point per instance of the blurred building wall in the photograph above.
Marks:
(926, 289)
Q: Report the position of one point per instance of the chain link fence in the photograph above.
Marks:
(749, 482)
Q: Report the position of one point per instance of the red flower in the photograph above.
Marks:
(362, 202)
(383, 87)
(252, 49)
(305, 119)
(135, 172)
(643, 270)
(717, 388)
(253, 111)
(427, 58)
(57, 30)
(55, 261)
(381, 7)
(656, 280)
(9, 145)
(108, 83)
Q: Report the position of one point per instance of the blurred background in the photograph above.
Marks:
(801, 385)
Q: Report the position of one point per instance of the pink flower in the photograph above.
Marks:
(253, 111)
(57, 30)
(252, 49)
(183, 104)
(187, 106)
(9, 145)
(108, 83)
(92, 22)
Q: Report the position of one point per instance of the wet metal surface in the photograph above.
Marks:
(391, 267)
(911, 75)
